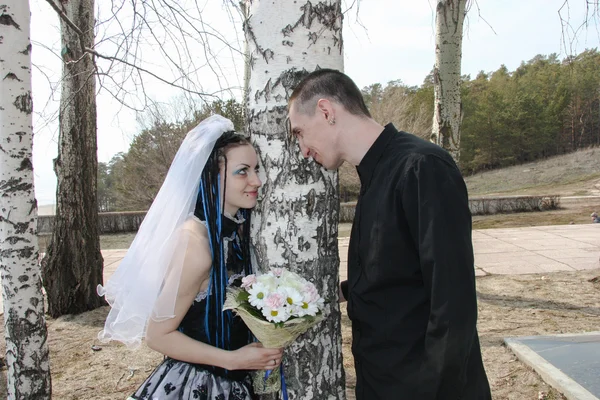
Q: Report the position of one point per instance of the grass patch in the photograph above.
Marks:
(117, 240)
(569, 213)
(577, 172)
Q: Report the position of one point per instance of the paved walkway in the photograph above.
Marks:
(537, 249)
(533, 250)
(514, 251)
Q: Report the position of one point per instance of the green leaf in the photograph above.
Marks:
(243, 296)
(252, 311)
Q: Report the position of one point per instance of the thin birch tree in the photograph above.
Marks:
(448, 113)
(24, 323)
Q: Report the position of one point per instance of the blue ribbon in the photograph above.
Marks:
(284, 392)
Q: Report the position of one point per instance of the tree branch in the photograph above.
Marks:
(152, 74)
(71, 24)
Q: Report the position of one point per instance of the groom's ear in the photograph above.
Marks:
(325, 109)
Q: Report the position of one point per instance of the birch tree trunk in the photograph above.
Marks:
(25, 331)
(447, 116)
(295, 224)
(73, 266)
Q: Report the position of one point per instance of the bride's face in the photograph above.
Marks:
(242, 179)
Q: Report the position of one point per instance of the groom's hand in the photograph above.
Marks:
(343, 291)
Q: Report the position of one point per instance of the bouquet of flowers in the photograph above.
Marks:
(277, 307)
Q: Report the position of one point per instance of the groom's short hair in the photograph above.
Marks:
(331, 84)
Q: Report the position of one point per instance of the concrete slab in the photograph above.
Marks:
(580, 263)
(501, 257)
(567, 252)
(537, 249)
(569, 362)
(493, 246)
(511, 269)
(554, 243)
(479, 234)
(555, 267)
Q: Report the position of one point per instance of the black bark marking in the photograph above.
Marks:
(12, 76)
(6, 19)
(20, 330)
(267, 54)
(27, 50)
(21, 227)
(24, 103)
(20, 134)
(15, 239)
(25, 252)
(26, 165)
(14, 184)
(288, 80)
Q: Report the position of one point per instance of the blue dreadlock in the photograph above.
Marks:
(217, 323)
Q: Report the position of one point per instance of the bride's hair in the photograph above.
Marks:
(209, 208)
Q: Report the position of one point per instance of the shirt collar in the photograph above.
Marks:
(371, 159)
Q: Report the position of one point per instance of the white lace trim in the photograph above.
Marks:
(238, 219)
(203, 294)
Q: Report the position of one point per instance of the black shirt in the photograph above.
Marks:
(411, 280)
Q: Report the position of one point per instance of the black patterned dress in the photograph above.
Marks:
(179, 380)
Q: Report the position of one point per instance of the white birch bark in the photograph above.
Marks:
(27, 358)
(295, 224)
(447, 115)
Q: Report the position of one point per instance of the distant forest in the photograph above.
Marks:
(545, 107)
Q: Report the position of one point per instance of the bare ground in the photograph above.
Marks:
(508, 306)
(522, 305)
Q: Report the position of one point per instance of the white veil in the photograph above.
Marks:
(158, 248)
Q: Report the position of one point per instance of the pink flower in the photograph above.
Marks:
(275, 300)
(277, 271)
(310, 292)
(248, 281)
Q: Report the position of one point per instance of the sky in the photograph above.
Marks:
(384, 40)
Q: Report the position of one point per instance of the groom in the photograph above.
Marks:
(411, 280)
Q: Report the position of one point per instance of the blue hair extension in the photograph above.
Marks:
(212, 252)
(224, 317)
(220, 336)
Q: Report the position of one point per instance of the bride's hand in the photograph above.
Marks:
(255, 356)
